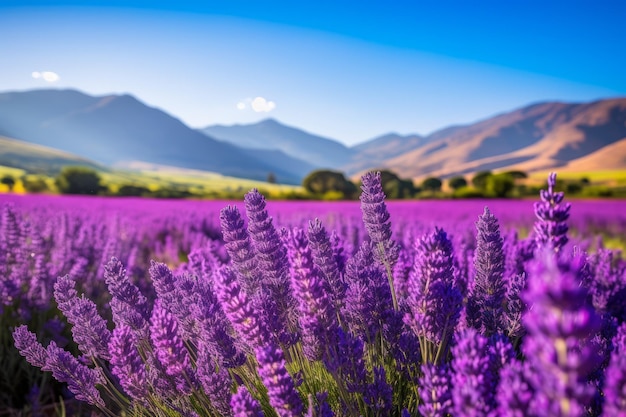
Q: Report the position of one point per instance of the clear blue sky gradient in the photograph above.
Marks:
(346, 70)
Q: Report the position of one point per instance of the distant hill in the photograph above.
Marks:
(269, 134)
(369, 154)
(117, 128)
(538, 137)
(38, 159)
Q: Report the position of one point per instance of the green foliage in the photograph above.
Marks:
(130, 190)
(396, 187)
(432, 184)
(320, 182)
(517, 175)
(9, 181)
(480, 179)
(467, 192)
(271, 178)
(78, 180)
(499, 185)
(457, 182)
(35, 184)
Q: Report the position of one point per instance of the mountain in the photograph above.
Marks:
(537, 137)
(368, 154)
(37, 158)
(272, 135)
(116, 128)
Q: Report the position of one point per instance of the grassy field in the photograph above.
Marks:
(612, 178)
(199, 183)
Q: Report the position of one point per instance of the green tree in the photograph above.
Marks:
(431, 184)
(321, 181)
(517, 175)
(34, 184)
(396, 187)
(480, 179)
(78, 180)
(271, 178)
(499, 185)
(457, 182)
(131, 190)
(9, 181)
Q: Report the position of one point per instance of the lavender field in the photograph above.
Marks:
(211, 308)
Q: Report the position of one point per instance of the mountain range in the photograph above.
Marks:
(116, 130)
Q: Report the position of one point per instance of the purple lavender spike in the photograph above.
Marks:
(244, 405)
(239, 309)
(368, 303)
(279, 304)
(325, 259)
(473, 382)
(89, 330)
(434, 299)
(515, 392)
(485, 301)
(615, 377)
(215, 382)
(128, 304)
(551, 227)
(81, 380)
(127, 364)
(28, 346)
(435, 389)
(317, 316)
(280, 385)
(169, 348)
(560, 325)
(378, 226)
(239, 248)
(379, 395)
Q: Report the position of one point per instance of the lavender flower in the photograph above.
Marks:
(435, 391)
(278, 302)
(560, 324)
(128, 305)
(473, 382)
(515, 392)
(317, 316)
(434, 300)
(169, 348)
(280, 386)
(325, 259)
(379, 395)
(239, 248)
(89, 330)
(484, 306)
(244, 405)
(239, 310)
(81, 380)
(378, 226)
(368, 298)
(615, 383)
(28, 346)
(551, 227)
(346, 362)
(127, 364)
(215, 382)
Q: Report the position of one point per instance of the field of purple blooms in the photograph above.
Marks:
(135, 307)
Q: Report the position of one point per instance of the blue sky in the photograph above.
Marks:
(345, 70)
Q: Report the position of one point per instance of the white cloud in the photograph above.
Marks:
(47, 76)
(258, 104)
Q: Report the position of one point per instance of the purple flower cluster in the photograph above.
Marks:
(552, 214)
(240, 317)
